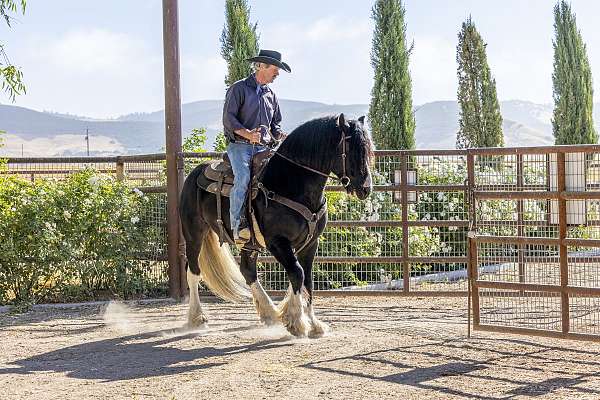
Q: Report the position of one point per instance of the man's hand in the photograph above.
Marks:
(253, 136)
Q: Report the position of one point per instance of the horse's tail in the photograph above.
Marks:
(220, 272)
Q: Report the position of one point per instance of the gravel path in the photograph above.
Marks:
(378, 348)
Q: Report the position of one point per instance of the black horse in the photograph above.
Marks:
(298, 172)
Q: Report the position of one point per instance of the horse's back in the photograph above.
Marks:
(189, 192)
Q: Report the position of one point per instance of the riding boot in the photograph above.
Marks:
(243, 230)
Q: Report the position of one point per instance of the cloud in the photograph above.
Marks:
(93, 72)
(333, 28)
(433, 69)
(202, 78)
(96, 51)
(329, 58)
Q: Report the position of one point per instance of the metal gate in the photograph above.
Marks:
(534, 240)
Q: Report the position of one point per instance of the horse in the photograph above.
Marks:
(297, 172)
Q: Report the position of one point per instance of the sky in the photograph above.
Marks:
(103, 59)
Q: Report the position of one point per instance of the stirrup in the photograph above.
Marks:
(243, 236)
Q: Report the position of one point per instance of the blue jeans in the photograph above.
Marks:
(240, 155)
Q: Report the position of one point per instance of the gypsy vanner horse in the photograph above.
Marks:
(298, 171)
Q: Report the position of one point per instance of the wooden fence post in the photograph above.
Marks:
(173, 139)
(562, 234)
(120, 169)
(405, 230)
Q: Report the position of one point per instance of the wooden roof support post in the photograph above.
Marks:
(173, 142)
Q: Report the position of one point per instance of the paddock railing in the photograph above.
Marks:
(535, 240)
(404, 239)
(518, 226)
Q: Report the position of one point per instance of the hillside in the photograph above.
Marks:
(47, 134)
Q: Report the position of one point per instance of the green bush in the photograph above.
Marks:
(73, 238)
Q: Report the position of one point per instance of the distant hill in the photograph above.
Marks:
(43, 133)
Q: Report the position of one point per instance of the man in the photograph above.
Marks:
(251, 118)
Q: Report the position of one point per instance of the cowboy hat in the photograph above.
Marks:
(270, 57)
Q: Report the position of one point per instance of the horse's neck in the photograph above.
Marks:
(294, 182)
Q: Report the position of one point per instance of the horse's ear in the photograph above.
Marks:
(341, 122)
(361, 120)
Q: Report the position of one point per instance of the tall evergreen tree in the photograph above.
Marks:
(572, 82)
(239, 40)
(390, 112)
(480, 121)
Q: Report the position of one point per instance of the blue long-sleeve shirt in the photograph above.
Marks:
(249, 105)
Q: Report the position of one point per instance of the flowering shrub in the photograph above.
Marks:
(71, 238)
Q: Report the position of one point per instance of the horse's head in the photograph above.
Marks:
(356, 155)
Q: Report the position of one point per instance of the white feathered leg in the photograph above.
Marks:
(196, 317)
(291, 312)
(267, 312)
(317, 328)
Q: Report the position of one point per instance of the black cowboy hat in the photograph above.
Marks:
(270, 57)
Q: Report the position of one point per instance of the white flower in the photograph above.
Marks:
(138, 192)
(135, 220)
(13, 209)
(93, 180)
(67, 214)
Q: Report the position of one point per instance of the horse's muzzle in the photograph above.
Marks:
(363, 192)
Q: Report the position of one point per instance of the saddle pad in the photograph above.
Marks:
(225, 189)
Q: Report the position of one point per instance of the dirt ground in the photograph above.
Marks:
(378, 348)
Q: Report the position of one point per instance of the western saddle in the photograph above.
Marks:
(220, 175)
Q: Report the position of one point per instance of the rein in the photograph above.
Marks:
(344, 180)
(312, 218)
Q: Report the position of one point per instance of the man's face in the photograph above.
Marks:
(268, 73)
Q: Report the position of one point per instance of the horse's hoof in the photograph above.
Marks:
(197, 322)
(318, 329)
(298, 328)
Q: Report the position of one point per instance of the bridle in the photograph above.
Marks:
(344, 180)
(312, 217)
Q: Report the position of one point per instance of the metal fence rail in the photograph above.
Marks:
(402, 240)
(520, 225)
(391, 243)
(533, 248)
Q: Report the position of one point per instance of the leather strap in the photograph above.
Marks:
(223, 236)
(311, 218)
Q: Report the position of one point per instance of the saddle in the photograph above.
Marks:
(220, 176)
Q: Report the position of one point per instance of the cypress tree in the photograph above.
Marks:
(480, 121)
(239, 40)
(390, 112)
(572, 82)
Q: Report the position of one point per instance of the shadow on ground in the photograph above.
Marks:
(132, 357)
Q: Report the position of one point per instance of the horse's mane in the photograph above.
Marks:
(313, 143)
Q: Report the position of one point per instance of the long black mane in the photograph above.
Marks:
(314, 143)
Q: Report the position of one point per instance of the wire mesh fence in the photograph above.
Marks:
(368, 246)
(532, 216)
(534, 222)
